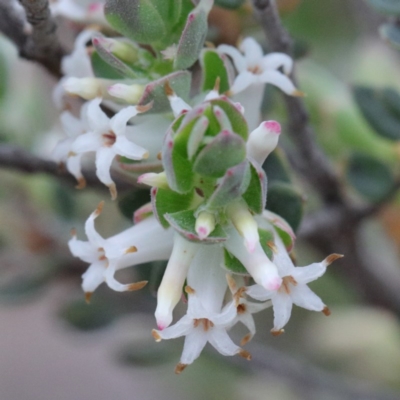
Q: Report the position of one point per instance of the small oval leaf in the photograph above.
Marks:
(369, 176)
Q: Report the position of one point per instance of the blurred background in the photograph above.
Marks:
(55, 346)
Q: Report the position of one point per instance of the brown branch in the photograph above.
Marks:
(42, 44)
(310, 160)
(16, 158)
(307, 380)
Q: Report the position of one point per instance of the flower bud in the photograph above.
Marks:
(130, 93)
(154, 180)
(263, 140)
(87, 88)
(205, 224)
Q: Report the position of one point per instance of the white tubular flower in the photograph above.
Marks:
(263, 141)
(245, 309)
(255, 68)
(245, 224)
(170, 289)
(131, 247)
(294, 289)
(263, 271)
(75, 65)
(130, 93)
(107, 137)
(204, 322)
(79, 11)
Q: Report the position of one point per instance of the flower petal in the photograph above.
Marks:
(93, 277)
(282, 304)
(94, 238)
(304, 275)
(126, 148)
(72, 126)
(237, 57)
(98, 120)
(89, 141)
(243, 81)
(181, 328)
(277, 60)
(74, 166)
(194, 344)
(279, 80)
(253, 52)
(118, 121)
(304, 297)
(221, 341)
(226, 316)
(104, 158)
(86, 251)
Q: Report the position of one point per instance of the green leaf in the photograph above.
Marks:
(284, 200)
(391, 33)
(109, 58)
(388, 7)
(266, 239)
(377, 107)
(214, 66)
(133, 200)
(232, 264)
(284, 230)
(231, 186)
(103, 70)
(369, 176)
(276, 167)
(256, 193)
(193, 36)
(184, 222)
(236, 118)
(139, 20)
(155, 91)
(86, 317)
(226, 150)
(168, 202)
(177, 165)
(230, 4)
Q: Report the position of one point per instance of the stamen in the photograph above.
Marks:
(113, 191)
(99, 209)
(278, 332)
(156, 335)
(179, 368)
(73, 232)
(137, 286)
(189, 290)
(245, 354)
(81, 183)
(331, 258)
(246, 339)
(88, 296)
(132, 249)
(326, 311)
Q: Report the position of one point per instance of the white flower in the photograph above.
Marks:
(204, 322)
(135, 245)
(73, 127)
(245, 309)
(75, 65)
(107, 137)
(255, 68)
(294, 289)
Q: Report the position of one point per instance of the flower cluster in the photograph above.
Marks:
(227, 254)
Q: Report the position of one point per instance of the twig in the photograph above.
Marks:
(42, 45)
(309, 381)
(16, 158)
(310, 160)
